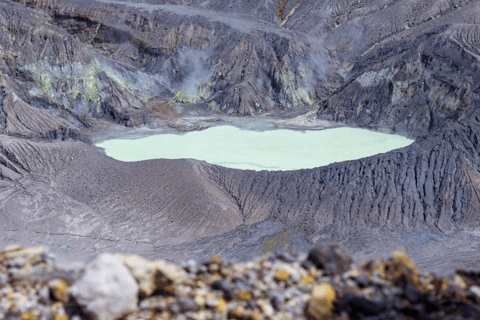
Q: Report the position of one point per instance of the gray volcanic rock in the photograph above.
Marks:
(411, 82)
(331, 259)
(235, 63)
(106, 290)
(20, 118)
(53, 69)
(267, 287)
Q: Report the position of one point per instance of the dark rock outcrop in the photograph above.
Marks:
(412, 82)
(50, 67)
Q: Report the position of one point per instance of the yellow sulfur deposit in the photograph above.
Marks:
(321, 303)
(222, 305)
(59, 289)
(307, 280)
(245, 296)
(401, 268)
(30, 315)
(282, 275)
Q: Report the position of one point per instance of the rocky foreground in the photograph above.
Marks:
(323, 285)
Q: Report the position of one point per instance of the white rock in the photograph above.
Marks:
(107, 290)
(475, 290)
(3, 279)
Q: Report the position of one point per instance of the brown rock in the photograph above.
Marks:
(333, 259)
(401, 270)
(152, 276)
(59, 289)
(321, 303)
(31, 255)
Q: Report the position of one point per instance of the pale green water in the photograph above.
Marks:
(269, 150)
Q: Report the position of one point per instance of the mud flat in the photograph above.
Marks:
(268, 150)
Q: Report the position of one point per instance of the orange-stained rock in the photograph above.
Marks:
(154, 275)
(59, 289)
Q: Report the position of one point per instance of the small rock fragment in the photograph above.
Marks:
(321, 302)
(11, 248)
(30, 315)
(307, 280)
(458, 281)
(244, 295)
(360, 307)
(282, 275)
(16, 263)
(19, 256)
(362, 281)
(412, 294)
(107, 290)
(182, 305)
(3, 279)
(59, 289)
(475, 290)
(228, 291)
(267, 309)
(278, 301)
(222, 305)
(44, 295)
(287, 257)
(401, 269)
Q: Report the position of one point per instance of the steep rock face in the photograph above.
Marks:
(246, 58)
(433, 182)
(236, 63)
(52, 67)
(411, 83)
(20, 118)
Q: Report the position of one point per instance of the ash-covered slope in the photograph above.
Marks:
(434, 181)
(150, 205)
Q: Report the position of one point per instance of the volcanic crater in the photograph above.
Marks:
(77, 72)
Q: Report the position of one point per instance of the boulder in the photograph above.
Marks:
(333, 259)
(107, 290)
(152, 276)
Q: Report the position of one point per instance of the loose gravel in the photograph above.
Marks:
(322, 285)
